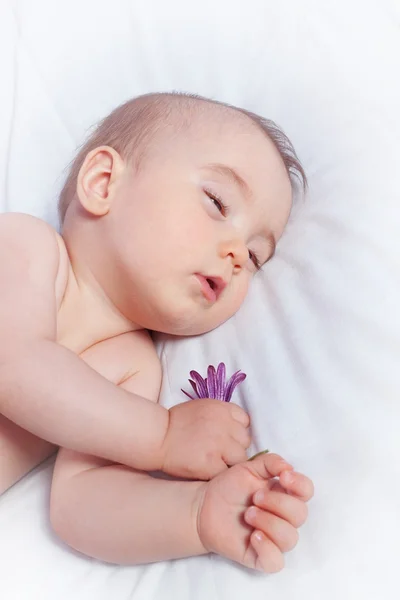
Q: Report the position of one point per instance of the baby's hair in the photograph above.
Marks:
(131, 127)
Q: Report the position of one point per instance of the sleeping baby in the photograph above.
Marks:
(169, 209)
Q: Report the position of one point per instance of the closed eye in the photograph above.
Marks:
(255, 260)
(218, 202)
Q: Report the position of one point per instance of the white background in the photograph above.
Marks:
(319, 334)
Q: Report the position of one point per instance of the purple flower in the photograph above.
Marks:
(214, 385)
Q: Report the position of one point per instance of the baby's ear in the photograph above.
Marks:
(100, 169)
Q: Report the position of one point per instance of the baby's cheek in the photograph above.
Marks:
(237, 295)
(242, 290)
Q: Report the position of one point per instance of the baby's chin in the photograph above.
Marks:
(185, 327)
(184, 316)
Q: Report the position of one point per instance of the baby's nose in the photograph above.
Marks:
(237, 251)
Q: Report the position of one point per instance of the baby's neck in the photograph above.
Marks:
(86, 315)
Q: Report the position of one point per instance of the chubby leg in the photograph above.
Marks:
(119, 515)
(20, 452)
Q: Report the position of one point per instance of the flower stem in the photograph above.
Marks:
(259, 454)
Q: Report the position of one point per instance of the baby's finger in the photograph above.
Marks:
(238, 414)
(297, 484)
(279, 531)
(268, 465)
(241, 435)
(269, 557)
(213, 467)
(234, 454)
(281, 504)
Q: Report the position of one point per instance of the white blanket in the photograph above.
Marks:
(319, 336)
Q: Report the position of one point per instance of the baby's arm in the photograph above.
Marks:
(118, 514)
(45, 388)
(125, 516)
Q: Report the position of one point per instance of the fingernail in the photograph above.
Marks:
(259, 497)
(251, 513)
(258, 536)
(289, 477)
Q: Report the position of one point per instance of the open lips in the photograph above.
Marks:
(211, 286)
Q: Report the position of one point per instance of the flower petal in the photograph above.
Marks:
(214, 385)
(188, 395)
(221, 373)
(236, 378)
(194, 386)
(211, 382)
(200, 383)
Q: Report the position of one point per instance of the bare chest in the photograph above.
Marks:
(87, 332)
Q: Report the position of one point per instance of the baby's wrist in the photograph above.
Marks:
(197, 504)
(159, 447)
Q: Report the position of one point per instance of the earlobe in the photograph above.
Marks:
(96, 176)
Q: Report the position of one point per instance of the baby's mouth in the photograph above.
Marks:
(211, 286)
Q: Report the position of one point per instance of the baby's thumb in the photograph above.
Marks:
(266, 465)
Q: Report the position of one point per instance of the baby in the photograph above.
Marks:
(169, 210)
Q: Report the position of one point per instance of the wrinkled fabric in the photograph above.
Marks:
(319, 333)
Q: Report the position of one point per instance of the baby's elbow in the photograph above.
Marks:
(68, 518)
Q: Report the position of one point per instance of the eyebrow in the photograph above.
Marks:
(242, 184)
(232, 175)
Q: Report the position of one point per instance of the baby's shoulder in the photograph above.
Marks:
(25, 229)
(27, 239)
(30, 244)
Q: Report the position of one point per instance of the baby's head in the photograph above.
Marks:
(173, 205)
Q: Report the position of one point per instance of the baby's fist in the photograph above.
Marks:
(204, 437)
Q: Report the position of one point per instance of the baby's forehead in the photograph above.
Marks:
(223, 136)
(231, 136)
(204, 132)
(225, 120)
(209, 133)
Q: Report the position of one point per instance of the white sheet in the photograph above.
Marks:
(319, 334)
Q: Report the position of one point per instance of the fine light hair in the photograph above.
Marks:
(131, 128)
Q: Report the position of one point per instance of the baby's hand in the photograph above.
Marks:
(204, 437)
(251, 513)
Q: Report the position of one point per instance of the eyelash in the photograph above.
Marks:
(224, 210)
(254, 258)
